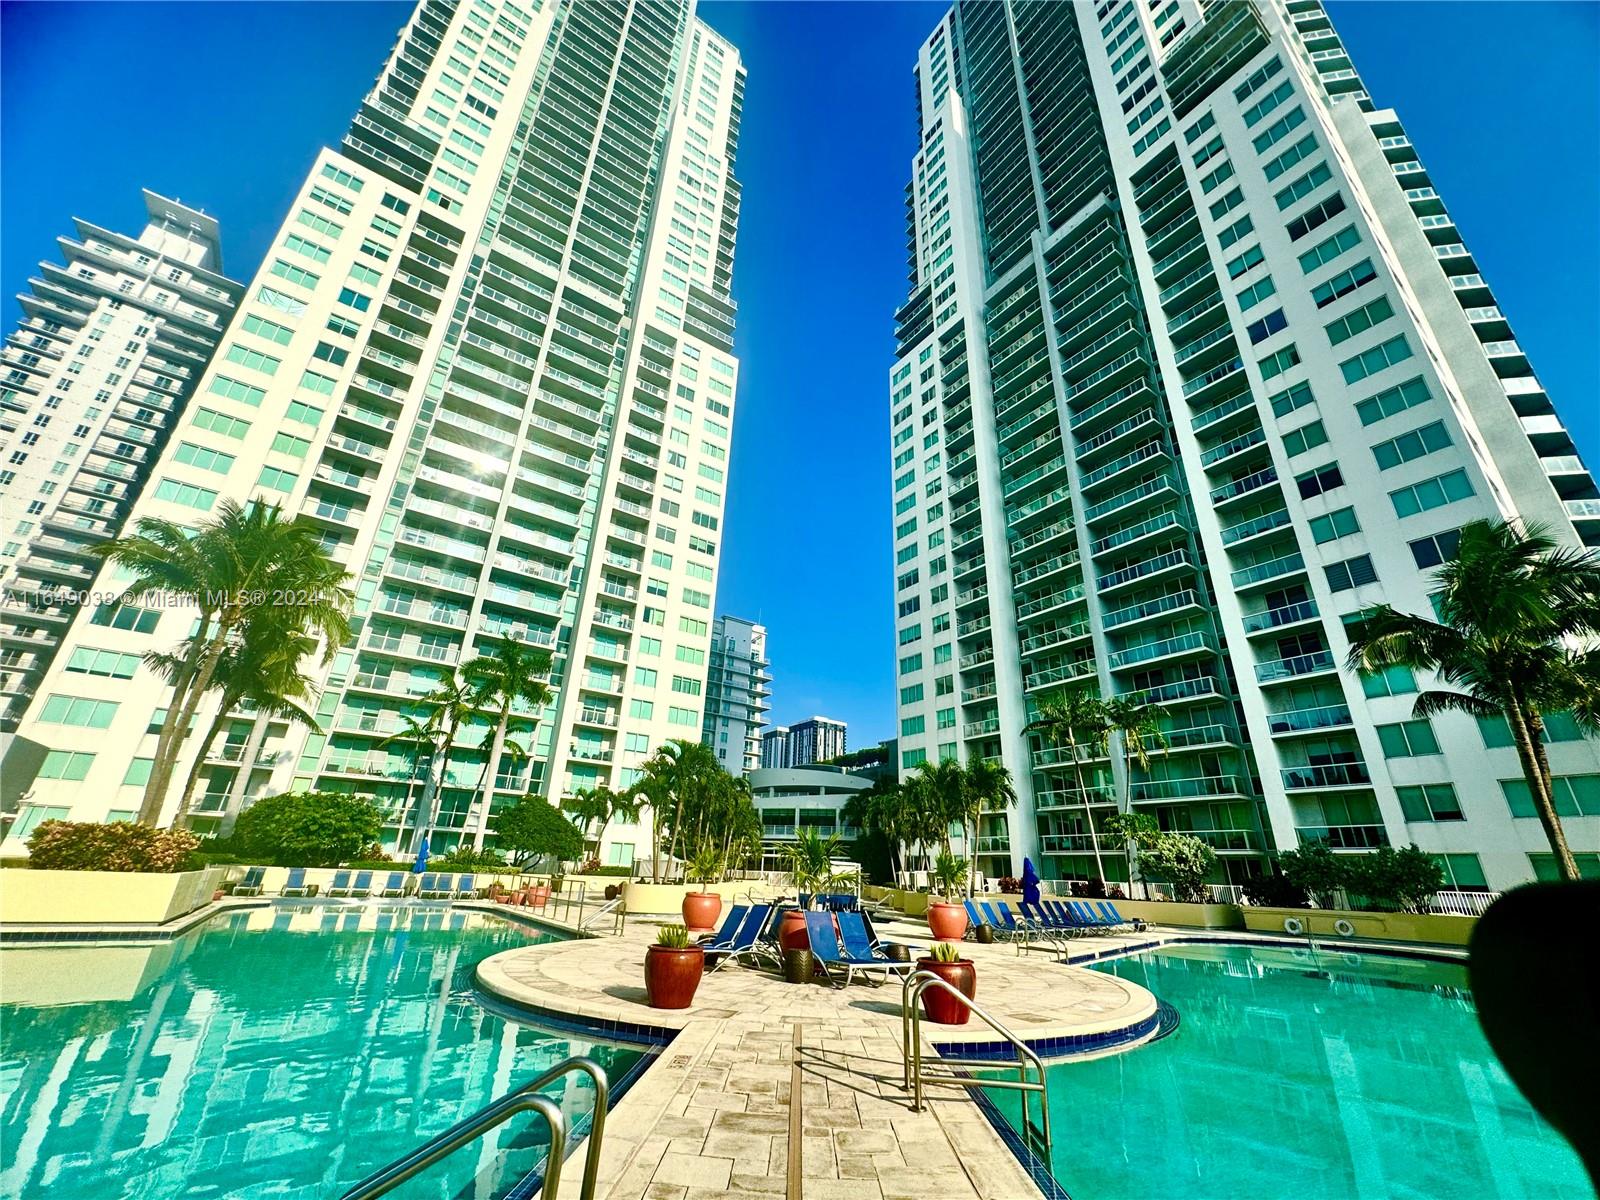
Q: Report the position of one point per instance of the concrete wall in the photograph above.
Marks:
(1438, 929)
(30, 897)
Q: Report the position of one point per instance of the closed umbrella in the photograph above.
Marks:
(422, 857)
(1030, 884)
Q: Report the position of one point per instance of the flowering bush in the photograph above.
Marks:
(120, 846)
(1010, 884)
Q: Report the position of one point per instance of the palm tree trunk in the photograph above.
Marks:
(1088, 813)
(481, 808)
(1535, 769)
(155, 788)
(182, 817)
(161, 773)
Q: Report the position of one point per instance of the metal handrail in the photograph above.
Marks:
(612, 908)
(497, 1112)
(911, 1049)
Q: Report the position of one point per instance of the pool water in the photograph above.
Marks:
(281, 1053)
(1347, 1076)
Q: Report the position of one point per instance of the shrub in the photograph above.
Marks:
(309, 829)
(1182, 860)
(1315, 869)
(673, 937)
(1393, 879)
(534, 828)
(1010, 883)
(946, 952)
(1274, 890)
(120, 846)
(465, 858)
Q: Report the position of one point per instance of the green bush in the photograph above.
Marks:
(1315, 870)
(1182, 860)
(533, 828)
(308, 829)
(1274, 890)
(1391, 879)
(120, 846)
(465, 858)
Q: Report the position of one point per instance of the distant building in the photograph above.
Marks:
(814, 740)
(775, 747)
(880, 762)
(811, 798)
(738, 691)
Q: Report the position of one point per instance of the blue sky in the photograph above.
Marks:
(1500, 98)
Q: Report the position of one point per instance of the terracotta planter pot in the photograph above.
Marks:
(700, 911)
(671, 976)
(938, 1005)
(947, 921)
(792, 930)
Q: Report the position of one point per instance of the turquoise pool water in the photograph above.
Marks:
(1355, 1077)
(274, 1053)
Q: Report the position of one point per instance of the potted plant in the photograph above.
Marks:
(946, 919)
(701, 909)
(938, 1005)
(810, 862)
(672, 968)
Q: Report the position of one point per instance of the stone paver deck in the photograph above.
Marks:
(711, 1116)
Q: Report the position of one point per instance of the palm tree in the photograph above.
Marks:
(1136, 724)
(942, 788)
(513, 672)
(677, 775)
(988, 787)
(423, 738)
(921, 809)
(453, 703)
(1512, 606)
(1077, 716)
(242, 561)
(262, 669)
(598, 806)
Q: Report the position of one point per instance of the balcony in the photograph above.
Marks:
(1182, 691)
(1278, 618)
(1344, 837)
(1187, 643)
(1296, 666)
(1199, 787)
(1239, 488)
(1150, 568)
(1277, 568)
(1326, 775)
(1310, 720)
(1148, 609)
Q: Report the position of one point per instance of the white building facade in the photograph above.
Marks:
(111, 344)
(1196, 366)
(738, 693)
(490, 355)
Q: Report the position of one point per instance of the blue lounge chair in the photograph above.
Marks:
(974, 917)
(1063, 916)
(396, 884)
(859, 942)
(466, 888)
(721, 939)
(361, 887)
(758, 938)
(1087, 916)
(250, 885)
(296, 884)
(432, 886)
(1044, 919)
(834, 960)
(1109, 911)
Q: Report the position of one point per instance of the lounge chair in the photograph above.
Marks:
(435, 886)
(1109, 911)
(860, 943)
(342, 886)
(739, 935)
(395, 885)
(1025, 929)
(250, 885)
(835, 960)
(1044, 919)
(976, 918)
(296, 884)
(466, 888)
(729, 929)
(1086, 916)
(877, 944)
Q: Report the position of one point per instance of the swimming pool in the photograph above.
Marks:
(1346, 1077)
(284, 1052)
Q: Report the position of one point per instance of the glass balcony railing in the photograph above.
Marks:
(1325, 775)
(1306, 720)
(1344, 837)
(1299, 664)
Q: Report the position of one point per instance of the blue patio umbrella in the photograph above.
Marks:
(1030, 884)
(422, 857)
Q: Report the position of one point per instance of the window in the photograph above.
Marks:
(1431, 493)
(1572, 795)
(911, 725)
(1544, 866)
(1303, 186)
(72, 765)
(214, 422)
(323, 385)
(1307, 437)
(1344, 283)
(33, 815)
(1360, 320)
(109, 663)
(1407, 739)
(683, 716)
(650, 646)
(138, 773)
(270, 330)
(1431, 551)
(644, 710)
(296, 244)
(1256, 293)
(1319, 480)
(910, 663)
(1390, 681)
(293, 274)
(1285, 402)
(1276, 364)
(1278, 130)
(1430, 802)
(1415, 444)
(1393, 400)
(1268, 325)
(1337, 524)
(233, 389)
(1351, 573)
(1462, 871)
(912, 694)
(351, 298)
(186, 494)
(912, 758)
(277, 479)
(343, 178)
(1315, 216)
(302, 413)
(1395, 350)
(1250, 258)
(1299, 152)
(76, 710)
(204, 457)
(328, 353)
(1326, 251)
(126, 616)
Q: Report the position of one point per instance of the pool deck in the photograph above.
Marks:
(712, 1115)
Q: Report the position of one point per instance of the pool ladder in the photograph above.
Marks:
(1034, 1135)
(525, 1099)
